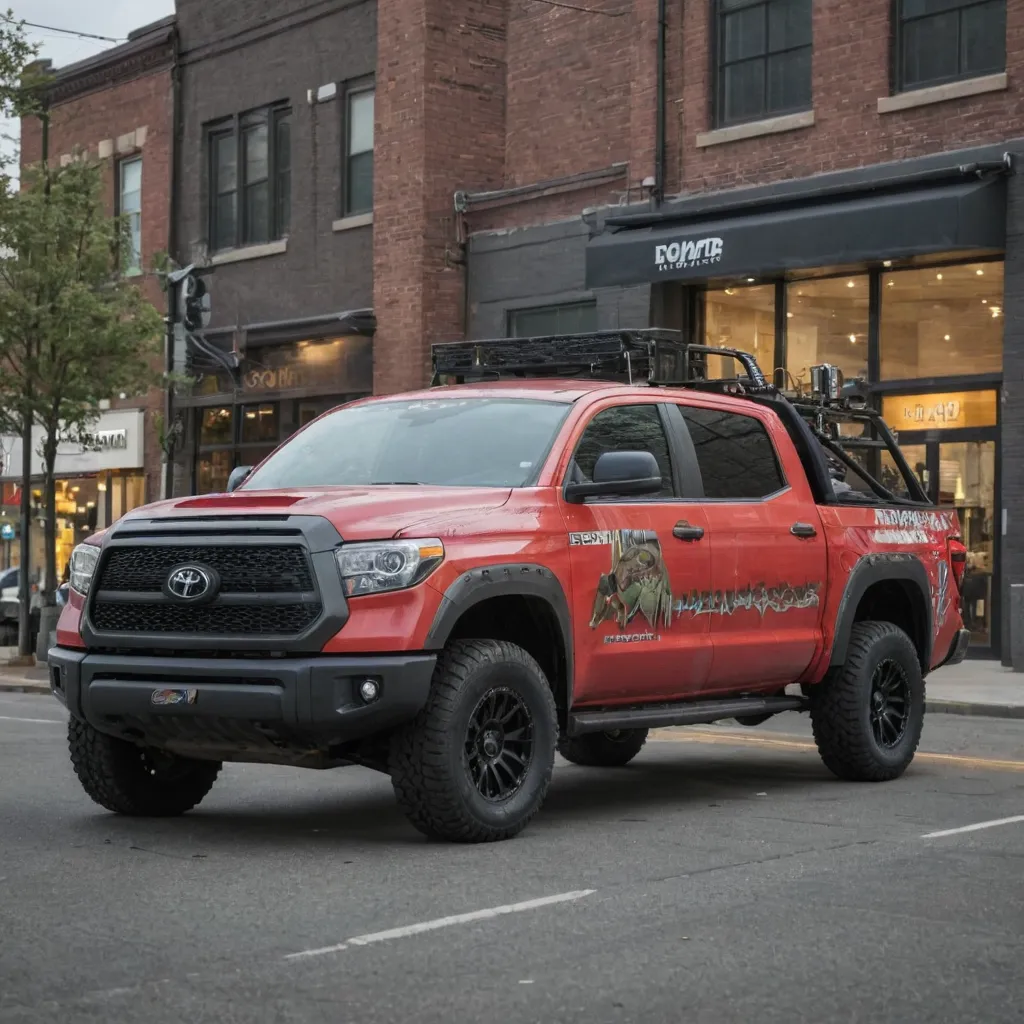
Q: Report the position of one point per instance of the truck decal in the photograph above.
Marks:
(637, 582)
(760, 598)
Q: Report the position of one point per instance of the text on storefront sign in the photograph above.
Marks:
(683, 254)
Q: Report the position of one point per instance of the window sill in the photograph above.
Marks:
(942, 93)
(755, 129)
(250, 252)
(357, 220)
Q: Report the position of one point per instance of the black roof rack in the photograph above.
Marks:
(638, 356)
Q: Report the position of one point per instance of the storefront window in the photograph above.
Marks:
(942, 321)
(947, 411)
(827, 322)
(215, 426)
(260, 423)
(742, 318)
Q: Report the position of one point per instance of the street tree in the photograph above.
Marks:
(74, 330)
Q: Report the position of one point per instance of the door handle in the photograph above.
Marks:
(803, 530)
(684, 531)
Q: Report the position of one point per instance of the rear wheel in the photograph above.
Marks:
(137, 781)
(612, 749)
(475, 764)
(868, 714)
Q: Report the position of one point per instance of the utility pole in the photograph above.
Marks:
(25, 544)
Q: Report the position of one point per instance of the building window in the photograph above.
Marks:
(129, 206)
(250, 178)
(358, 155)
(572, 318)
(736, 457)
(942, 321)
(827, 322)
(944, 40)
(742, 318)
(763, 57)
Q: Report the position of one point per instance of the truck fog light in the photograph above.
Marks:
(369, 690)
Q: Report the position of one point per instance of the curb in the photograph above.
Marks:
(24, 686)
(963, 707)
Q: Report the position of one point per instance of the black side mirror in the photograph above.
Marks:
(618, 474)
(237, 478)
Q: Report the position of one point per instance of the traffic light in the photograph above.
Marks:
(194, 303)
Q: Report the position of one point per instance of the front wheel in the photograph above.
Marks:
(137, 781)
(475, 764)
(868, 714)
(613, 749)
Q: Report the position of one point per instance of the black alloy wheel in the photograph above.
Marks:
(499, 744)
(890, 703)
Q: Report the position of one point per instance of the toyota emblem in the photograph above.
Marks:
(190, 583)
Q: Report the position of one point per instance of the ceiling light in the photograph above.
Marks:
(938, 277)
(750, 280)
(886, 263)
(947, 337)
(790, 315)
(729, 291)
(984, 302)
(889, 283)
(849, 284)
(980, 272)
(853, 339)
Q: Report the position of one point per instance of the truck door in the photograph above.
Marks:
(631, 559)
(768, 552)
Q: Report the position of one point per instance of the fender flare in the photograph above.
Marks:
(511, 579)
(899, 567)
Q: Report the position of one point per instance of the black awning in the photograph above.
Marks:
(965, 216)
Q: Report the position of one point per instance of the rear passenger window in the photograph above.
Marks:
(735, 454)
(626, 428)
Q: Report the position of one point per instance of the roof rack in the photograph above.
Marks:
(656, 356)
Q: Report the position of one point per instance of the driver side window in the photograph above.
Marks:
(625, 428)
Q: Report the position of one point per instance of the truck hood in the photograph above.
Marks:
(357, 513)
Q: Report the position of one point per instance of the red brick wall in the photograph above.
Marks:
(107, 115)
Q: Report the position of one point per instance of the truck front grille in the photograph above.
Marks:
(224, 619)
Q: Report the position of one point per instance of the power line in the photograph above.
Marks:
(64, 31)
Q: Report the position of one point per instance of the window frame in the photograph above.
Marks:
(692, 463)
(348, 91)
(552, 307)
(679, 480)
(898, 21)
(134, 269)
(717, 50)
(235, 128)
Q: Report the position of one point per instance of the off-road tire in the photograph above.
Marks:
(430, 769)
(841, 707)
(118, 777)
(603, 749)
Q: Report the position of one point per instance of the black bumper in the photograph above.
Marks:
(240, 708)
(958, 649)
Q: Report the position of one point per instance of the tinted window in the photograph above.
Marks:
(735, 454)
(626, 428)
(448, 442)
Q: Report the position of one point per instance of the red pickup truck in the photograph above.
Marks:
(586, 538)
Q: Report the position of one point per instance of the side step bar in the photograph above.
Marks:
(656, 716)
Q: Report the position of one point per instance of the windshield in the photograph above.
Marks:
(451, 442)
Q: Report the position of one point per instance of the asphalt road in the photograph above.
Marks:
(723, 877)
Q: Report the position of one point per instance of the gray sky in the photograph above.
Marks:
(115, 18)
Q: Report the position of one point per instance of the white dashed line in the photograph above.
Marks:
(38, 721)
(974, 828)
(442, 922)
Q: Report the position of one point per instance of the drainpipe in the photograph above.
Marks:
(172, 246)
(658, 193)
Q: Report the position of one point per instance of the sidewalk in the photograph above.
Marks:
(973, 688)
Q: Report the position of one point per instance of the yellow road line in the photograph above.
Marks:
(732, 739)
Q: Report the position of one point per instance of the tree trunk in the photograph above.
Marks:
(25, 545)
(50, 498)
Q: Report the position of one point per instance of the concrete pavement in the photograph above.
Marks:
(724, 877)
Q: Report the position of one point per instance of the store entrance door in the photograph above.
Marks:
(959, 472)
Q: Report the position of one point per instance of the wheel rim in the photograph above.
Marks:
(890, 703)
(499, 744)
(162, 766)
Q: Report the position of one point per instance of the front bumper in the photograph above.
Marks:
(282, 710)
(958, 649)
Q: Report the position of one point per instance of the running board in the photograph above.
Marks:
(656, 716)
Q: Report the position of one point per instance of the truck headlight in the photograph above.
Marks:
(387, 565)
(83, 565)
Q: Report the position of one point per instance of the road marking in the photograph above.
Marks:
(731, 739)
(974, 828)
(41, 721)
(442, 922)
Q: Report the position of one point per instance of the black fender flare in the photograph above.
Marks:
(511, 579)
(899, 567)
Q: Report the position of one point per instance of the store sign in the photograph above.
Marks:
(106, 440)
(688, 253)
(949, 411)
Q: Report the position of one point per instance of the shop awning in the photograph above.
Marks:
(963, 216)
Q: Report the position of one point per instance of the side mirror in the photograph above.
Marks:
(237, 478)
(618, 474)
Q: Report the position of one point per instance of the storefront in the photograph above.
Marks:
(97, 482)
(901, 285)
(281, 385)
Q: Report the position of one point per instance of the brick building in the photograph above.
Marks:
(795, 189)
(116, 107)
